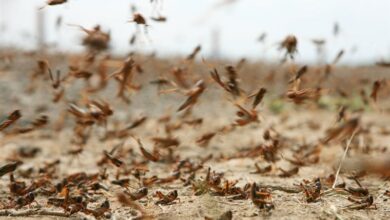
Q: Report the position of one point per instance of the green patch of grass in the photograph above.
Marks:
(276, 106)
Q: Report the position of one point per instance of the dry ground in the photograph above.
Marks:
(296, 125)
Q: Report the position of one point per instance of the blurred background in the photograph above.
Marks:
(225, 28)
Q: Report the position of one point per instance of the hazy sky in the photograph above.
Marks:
(365, 26)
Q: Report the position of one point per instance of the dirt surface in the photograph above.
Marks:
(294, 127)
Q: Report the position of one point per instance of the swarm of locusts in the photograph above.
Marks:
(104, 160)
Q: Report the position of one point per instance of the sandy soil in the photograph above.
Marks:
(295, 126)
